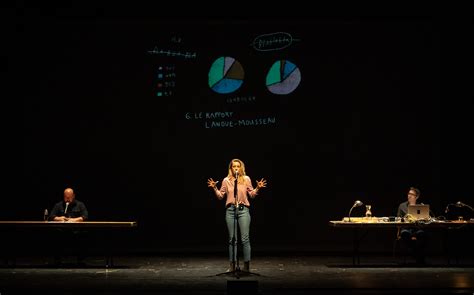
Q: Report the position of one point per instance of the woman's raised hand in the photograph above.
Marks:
(261, 183)
(211, 183)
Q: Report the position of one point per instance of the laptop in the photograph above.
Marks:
(419, 212)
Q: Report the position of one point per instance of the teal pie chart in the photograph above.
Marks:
(226, 75)
(283, 77)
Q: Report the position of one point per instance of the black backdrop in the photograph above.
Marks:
(364, 123)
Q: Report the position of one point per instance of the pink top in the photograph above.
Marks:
(243, 190)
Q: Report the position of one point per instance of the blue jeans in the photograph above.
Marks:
(243, 221)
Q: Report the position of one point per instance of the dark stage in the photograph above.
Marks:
(197, 274)
(136, 109)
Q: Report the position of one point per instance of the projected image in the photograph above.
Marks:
(283, 77)
(226, 75)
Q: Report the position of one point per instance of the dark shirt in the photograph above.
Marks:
(74, 209)
(402, 209)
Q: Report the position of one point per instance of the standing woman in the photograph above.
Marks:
(237, 207)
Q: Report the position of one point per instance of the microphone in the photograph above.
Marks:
(65, 210)
(236, 173)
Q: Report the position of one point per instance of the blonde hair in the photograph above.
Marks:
(230, 173)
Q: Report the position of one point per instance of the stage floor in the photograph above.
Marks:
(195, 274)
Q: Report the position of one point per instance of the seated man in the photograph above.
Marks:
(414, 237)
(69, 209)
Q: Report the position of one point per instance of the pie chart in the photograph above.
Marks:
(283, 77)
(226, 75)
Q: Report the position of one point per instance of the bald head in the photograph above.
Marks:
(69, 195)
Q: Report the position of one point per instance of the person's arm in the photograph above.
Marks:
(221, 192)
(60, 218)
(402, 210)
(74, 219)
(55, 213)
(83, 212)
(253, 192)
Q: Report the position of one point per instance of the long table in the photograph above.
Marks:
(65, 224)
(17, 226)
(357, 226)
